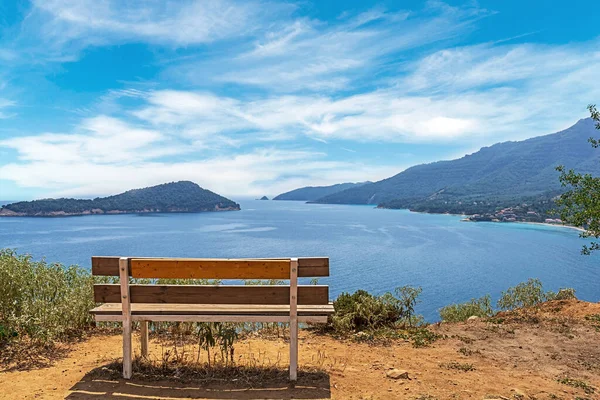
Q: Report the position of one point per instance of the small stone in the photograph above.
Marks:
(397, 374)
(472, 318)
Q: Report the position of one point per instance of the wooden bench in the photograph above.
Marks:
(291, 303)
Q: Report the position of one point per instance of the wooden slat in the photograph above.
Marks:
(190, 268)
(214, 318)
(208, 294)
(105, 266)
(140, 309)
(307, 267)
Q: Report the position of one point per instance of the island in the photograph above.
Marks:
(264, 198)
(174, 197)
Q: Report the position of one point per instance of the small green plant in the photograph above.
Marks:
(481, 307)
(408, 297)
(468, 352)
(217, 334)
(423, 337)
(529, 294)
(562, 294)
(595, 320)
(465, 367)
(576, 383)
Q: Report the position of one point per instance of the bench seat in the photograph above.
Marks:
(228, 312)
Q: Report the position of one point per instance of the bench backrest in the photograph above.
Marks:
(191, 268)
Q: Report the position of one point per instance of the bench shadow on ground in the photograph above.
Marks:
(310, 385)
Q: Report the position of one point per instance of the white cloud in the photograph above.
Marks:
(102, 140)
(179, 23)
(255, 173)
(305, 54)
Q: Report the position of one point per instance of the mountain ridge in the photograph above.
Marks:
(507, 170)
(312, 193)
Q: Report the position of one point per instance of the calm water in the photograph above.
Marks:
(370, 249)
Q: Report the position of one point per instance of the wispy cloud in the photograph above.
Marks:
(304, 54)
(5, 106)
(179, 23)
(480, 92)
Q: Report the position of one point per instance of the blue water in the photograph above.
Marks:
(369, 248)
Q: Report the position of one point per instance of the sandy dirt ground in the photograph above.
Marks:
(519, 358)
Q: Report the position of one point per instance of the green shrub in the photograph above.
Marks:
(363, 311)
(529, 294)
(40, 301)
(481, 307)
(562, 294)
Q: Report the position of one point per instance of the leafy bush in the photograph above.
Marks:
(481, 307)
(563, 294)
(529, 294)
(363, 311)
(40, 301)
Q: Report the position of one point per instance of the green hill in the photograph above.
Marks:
(312, 193)
(501, 174)
(181, 196)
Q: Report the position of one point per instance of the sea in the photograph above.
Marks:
(369, 248)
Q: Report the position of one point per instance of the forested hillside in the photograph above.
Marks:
(181, 196)
(500, 174)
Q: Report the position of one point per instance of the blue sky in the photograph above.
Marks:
(259, 97)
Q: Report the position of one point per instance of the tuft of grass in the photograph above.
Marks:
(468, 352)
(576, 383)
(465, 367)
(595, 320)
(481, 307)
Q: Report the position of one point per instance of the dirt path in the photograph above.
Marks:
(477, 360)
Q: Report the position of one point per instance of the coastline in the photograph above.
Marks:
(6, 213)
(529, 223)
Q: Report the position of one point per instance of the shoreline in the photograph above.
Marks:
(530, 223)
(465, 218)
(62, 214)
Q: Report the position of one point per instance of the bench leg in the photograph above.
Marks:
(125, 302)
(144, 337)
(127, 349)
(293, 350)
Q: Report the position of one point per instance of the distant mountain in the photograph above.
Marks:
(264, 198)
(181, 196)
(500, 174)
(312, 193)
